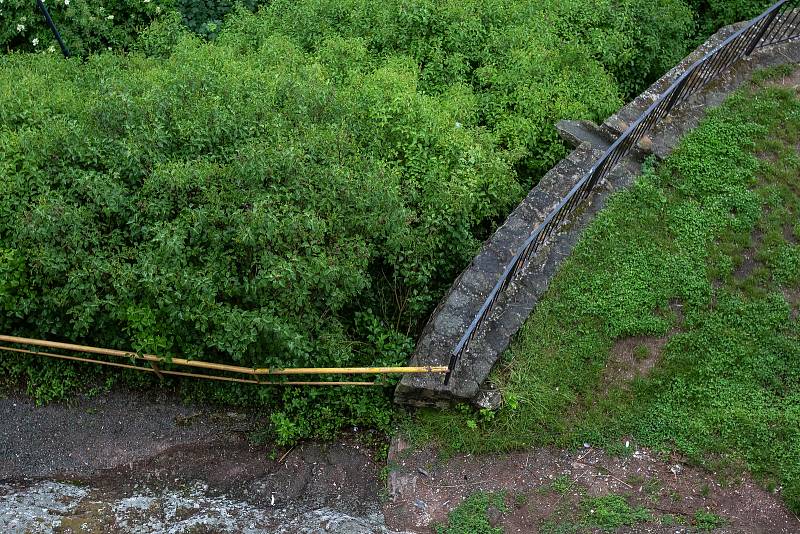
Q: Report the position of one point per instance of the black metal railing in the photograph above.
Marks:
(779, 23)
(49, 20)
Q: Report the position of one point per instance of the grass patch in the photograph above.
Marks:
(663, 259)
(613, 511)
(604, 513)
(707, 520)
(471, 516)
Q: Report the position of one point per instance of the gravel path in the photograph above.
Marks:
(87, 436)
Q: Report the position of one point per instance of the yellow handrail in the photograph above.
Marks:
(155, 360)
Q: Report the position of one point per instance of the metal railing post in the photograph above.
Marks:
(49, 20)
(767, 24)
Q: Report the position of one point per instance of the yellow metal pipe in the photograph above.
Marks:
(182, 374)
(351, 370)
(123, 354)
(223, 367)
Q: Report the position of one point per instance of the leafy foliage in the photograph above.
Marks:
(610, 512)
(532, 63)
(205, 17)
(86, 26)
(713, 14)
(257, 202)
(470, 517)
(605, 513)
(95, 26)
(707, 521)
(502, 63)
(266, 207)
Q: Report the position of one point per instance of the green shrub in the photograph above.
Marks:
(500, 64)
(611, 512)
(86, 26)
(249, 231)
(471, 516)
(205, 17)
(635, 40)
(713, 14)
(265, 206)
(707, 520)
(530, 63)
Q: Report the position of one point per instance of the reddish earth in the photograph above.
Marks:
(423, 488)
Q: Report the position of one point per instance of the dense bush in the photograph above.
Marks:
(205, 17)
(452, 40)
(90, 26)
(269, 208)
(532, 63)
(85, 26)
(713, 14)
(238, 206)
(246, 200)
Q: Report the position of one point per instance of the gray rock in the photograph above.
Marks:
(574, 133)
(488, 399)
(494, 516)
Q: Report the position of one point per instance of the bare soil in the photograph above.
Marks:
(637, 356)
(749, 263)
(423, 488)
(793, 298)
(789, 81)
(630, 358)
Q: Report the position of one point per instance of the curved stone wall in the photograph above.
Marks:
(454, 313)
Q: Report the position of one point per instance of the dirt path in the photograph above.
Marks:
(548, 488)
(129, 462)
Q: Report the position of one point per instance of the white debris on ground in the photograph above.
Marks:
(39, 508)
(333, 522)
(177, 511)
(44, 506)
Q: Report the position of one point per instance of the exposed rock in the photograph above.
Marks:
(401, 486)
(576, 132)
(396, 446)
(494, 516)
(488, 399)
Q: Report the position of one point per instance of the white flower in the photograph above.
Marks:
(145, 1)
(35, 41)
(66, 2)
(20, 27)
(51, 49)
(110, 17)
